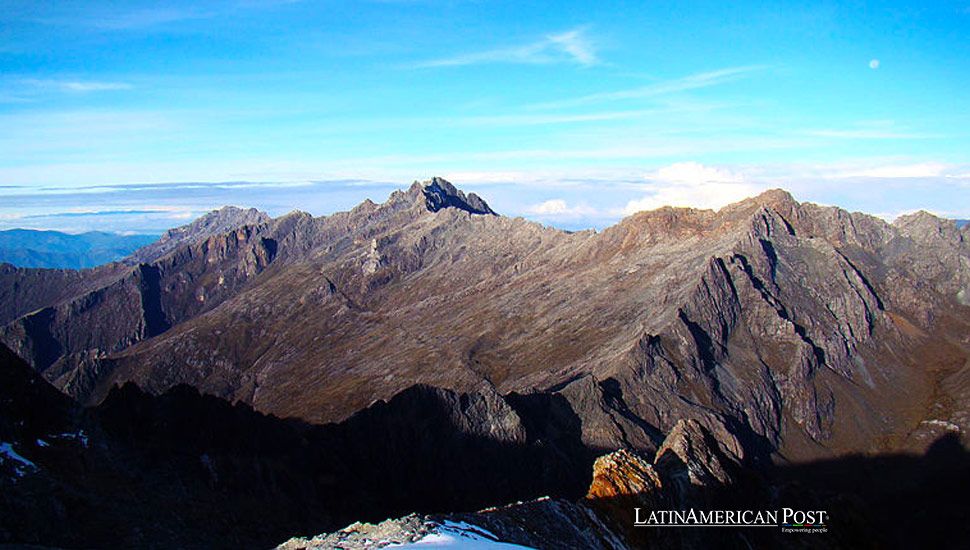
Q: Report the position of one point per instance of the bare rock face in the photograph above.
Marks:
(74, 319)
(690, 469)
(186, 470)
(227, 218)
(698, 453)
(368, 536)
(440, 194)
(25, 290)
(622, 473)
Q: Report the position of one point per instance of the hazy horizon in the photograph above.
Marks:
(148, 222)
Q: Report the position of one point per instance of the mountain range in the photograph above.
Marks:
(397, 338)
(53, 249)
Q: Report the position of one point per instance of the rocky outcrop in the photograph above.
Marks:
(440, 194)
(622, 473)
(223, 220)
(25, 290)
(368, 536)
(691, 470)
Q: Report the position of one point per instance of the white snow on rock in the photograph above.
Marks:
(411, 532)
(460, 536)
(80, 436)
(20, 464)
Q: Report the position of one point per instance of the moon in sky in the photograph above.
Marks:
(874, 64)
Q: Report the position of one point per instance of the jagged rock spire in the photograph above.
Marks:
(440, 193)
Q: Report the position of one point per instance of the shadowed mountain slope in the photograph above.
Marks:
(184, 470)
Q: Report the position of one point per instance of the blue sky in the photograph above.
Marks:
(136, 116)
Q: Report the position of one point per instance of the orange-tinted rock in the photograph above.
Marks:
(622, 473)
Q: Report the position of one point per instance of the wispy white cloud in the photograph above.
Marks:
(576, 44)
(14, 98)
(920, 170)
(75, 85)
(543, 119)
(571, 46)
(135, 19)
(862, 133)
(690, 82)
(146, 18)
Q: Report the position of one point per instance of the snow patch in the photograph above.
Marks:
(20, 464)
(943, 424)
(460, 536)
(79, 436)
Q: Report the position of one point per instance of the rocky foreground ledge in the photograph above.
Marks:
(689, 462)
(694, 470)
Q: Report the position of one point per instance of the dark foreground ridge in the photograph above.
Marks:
(184, 470)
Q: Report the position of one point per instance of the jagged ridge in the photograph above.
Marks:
(770, 317)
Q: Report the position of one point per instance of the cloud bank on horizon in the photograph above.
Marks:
(137, 116)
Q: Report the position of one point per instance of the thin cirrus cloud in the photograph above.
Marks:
(94, 213)
(114, 18)
(147, 18)
(138, 19)
(919, 170)
(682, 84)
(572, 46)
(875, 134)
(75, 85)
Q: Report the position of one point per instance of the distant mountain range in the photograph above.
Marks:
(32, 248)
(54, 249)
(289, 375)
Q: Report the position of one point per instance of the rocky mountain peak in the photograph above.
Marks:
(923, 225)
(777, 200)
(220, 220)
(439, 193)
(699, 453)
(775, 197)
(215, 222)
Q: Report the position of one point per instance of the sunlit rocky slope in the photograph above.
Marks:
(801, 330)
